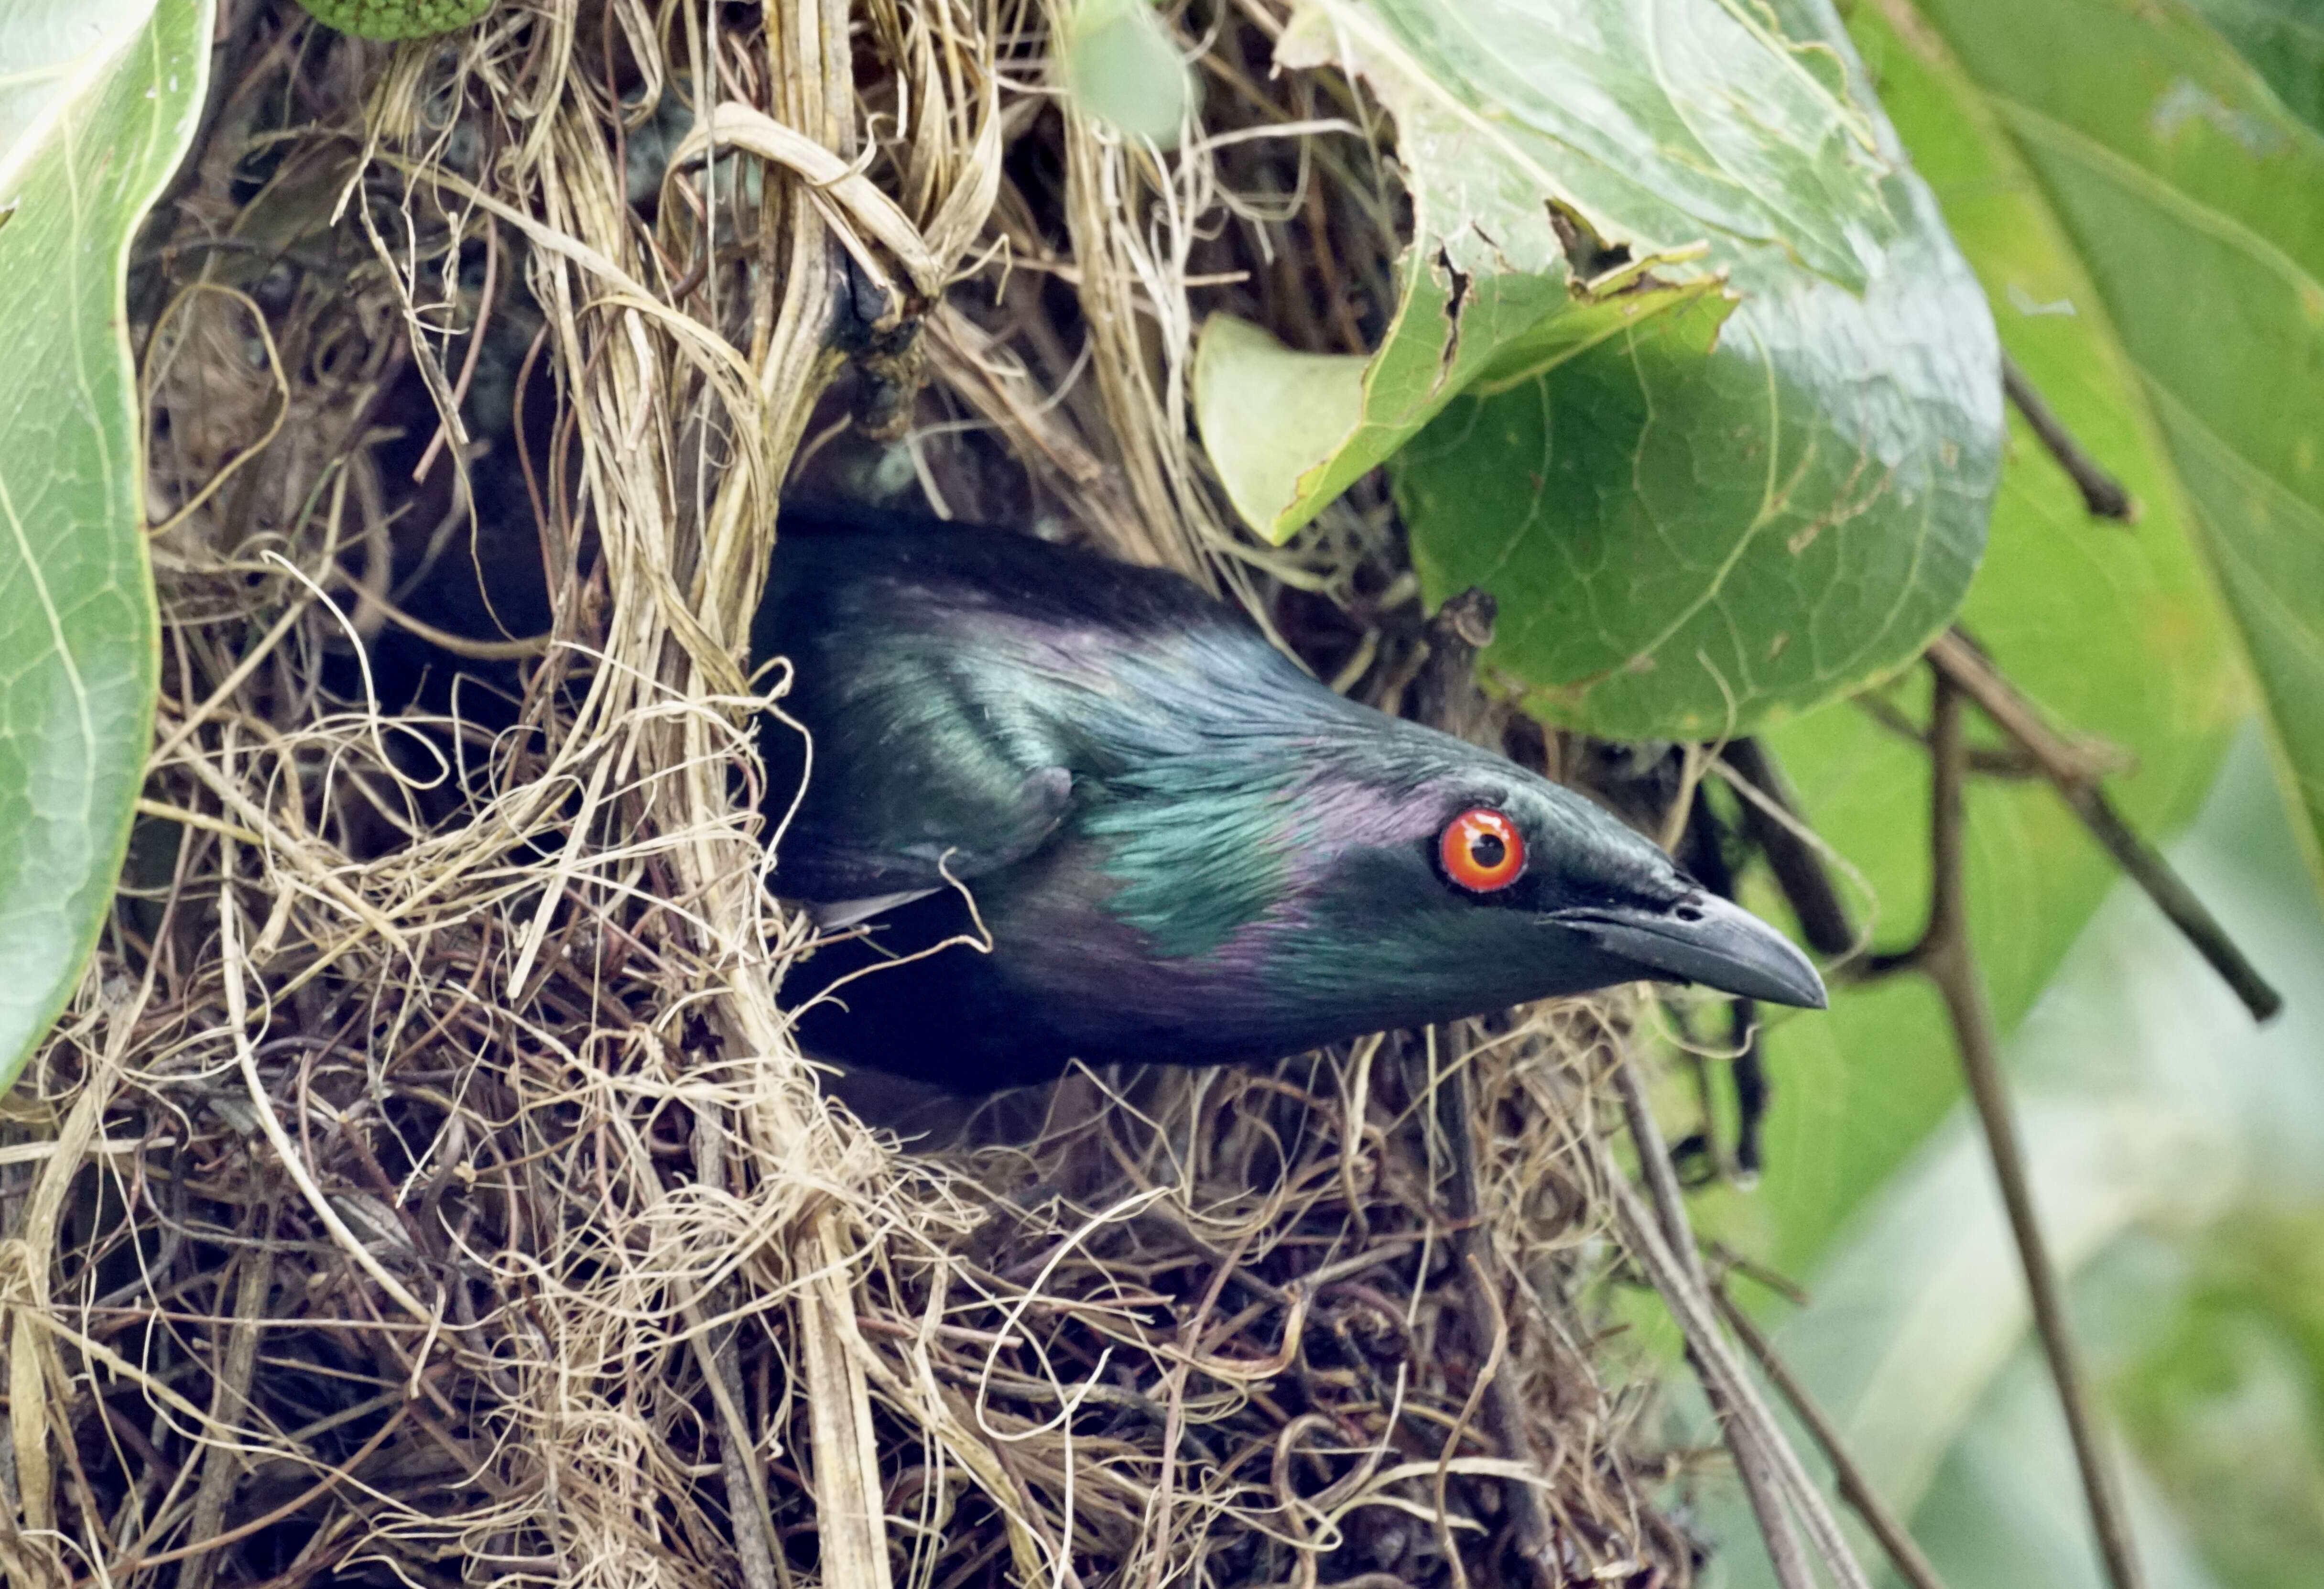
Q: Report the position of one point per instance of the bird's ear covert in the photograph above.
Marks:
(1481, 850)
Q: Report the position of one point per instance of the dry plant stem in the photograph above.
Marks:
(1945, 957)
(746, 1485)
(1799, 870)
(1472, 1247)
(1130, 239)
(1903, 1551)
(1747, 1442)
(2102, 494)
(808, 68)
(28, 1301)
(332, 1476)
(221, 1464)
(1689, 1305)
(1958, 661)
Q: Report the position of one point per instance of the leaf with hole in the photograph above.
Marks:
(1704, 521)
(1577, 168)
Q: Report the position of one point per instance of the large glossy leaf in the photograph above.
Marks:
(77, 619)
(2283, 40)
(1694, 525)
(2110, 627)
(42, 48)
(2197, 201)
(1590, 160)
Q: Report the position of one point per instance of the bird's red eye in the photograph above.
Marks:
(1482, 850)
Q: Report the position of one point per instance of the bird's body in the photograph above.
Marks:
(1179, 846)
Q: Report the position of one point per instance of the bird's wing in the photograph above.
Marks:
(855, 859)
(934, 677)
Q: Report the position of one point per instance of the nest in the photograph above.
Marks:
(423, 1187)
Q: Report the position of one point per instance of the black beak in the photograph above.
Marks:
(1702, 938)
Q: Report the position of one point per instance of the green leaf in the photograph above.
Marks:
(77, 647)
(1268, 412)
(2283, 41)
(1123, 67)
(1697, 523)
(2197, 201)
(41, 49)
(1567, 159)
(2110, 627)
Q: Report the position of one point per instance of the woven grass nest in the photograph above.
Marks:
(424, 1188)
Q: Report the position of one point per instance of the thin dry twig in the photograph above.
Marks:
(1473, 1248)
(1905, 1552)
(1799, 870)
(1753, 1438)
(2102, 494)
(1965, 667)
(1947, 957)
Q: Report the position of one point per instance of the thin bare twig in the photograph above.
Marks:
(1445, 694)
(221, 1472)
(1903, 1551)
(2102, 494)
(1763, 1457)
(1799, 870)
(1947, 957)
(1959, 660)
(746, 1484)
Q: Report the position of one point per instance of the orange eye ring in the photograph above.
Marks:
(1482, 850)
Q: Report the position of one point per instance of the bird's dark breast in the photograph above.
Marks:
(946, 1019)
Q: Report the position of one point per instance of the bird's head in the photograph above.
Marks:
(1417, 878)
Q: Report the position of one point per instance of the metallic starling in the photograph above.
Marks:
(1179, 847)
